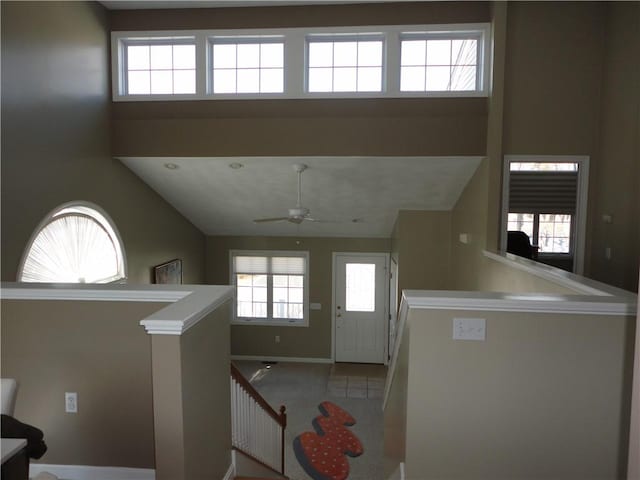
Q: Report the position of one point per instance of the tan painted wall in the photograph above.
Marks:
(570, 90)
(191, 402)
(540, 398)
(98, 350)
(423, 242)
(302, 127)
(313, 341)
(56, 140)
(206, 396)
(615, 176)
(397, 13)
(469, 217)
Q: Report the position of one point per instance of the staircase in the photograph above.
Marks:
(257, 432)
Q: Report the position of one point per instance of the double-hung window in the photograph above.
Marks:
(272, 288)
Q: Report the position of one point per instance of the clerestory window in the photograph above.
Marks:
(316, 62)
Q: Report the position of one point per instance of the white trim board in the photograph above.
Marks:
(83, 472)
(188, 304)
(267, 358)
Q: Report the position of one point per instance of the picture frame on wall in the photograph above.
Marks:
(168, 273)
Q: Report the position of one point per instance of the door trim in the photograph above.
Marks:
(386, 257)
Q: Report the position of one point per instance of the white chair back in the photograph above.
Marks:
(8, 390)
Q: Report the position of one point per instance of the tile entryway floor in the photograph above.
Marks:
(301, 387)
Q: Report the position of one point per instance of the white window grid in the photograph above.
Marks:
(550, 232)
(276, 311)
(454, 67)
(262, 69)
(295, 76)
(340, 69)
(173, 70)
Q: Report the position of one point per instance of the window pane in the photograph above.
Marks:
(260, 310)
(345, 54)
(138, 57)
(554, 233)
(161, 57)
(244, 279)
(370, 79)
(320, 79)
(439, 52)
(437, 78)
(248, 55)
(463, 78)
(184, 81)
(522, 222)
(280, 310)
(543, 166)
(260, 280)
(184, 57)
(413, 52)
(360, 287)
(139, 83)
(161, 81)
(320, 54)
(280, 281)
(244, 294)
(271, 80)
(296, 310)
(370, 54)
(259, 294)
(280, 294)
(464, 52)
(272, 55)
(248, 81)
(344, 80)
(412, 79)
(245, 309)
(296, 281)
(224, 56)
(295, 295)
(224, 81)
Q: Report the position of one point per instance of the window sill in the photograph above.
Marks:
(270, 323)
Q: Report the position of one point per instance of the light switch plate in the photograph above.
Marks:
(469, 329)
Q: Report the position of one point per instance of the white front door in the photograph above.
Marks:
(360, 307)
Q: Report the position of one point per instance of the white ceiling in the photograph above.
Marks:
(220, 200)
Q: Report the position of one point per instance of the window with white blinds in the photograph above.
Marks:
(271, 287)
(542, 203)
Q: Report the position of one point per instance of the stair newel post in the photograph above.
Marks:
(283, 417)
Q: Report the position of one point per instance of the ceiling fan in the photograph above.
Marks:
(298, 214)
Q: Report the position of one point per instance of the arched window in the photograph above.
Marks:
(76, 243)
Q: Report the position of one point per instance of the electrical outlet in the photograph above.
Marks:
(277, 338)
(469, 329)
(71, 402)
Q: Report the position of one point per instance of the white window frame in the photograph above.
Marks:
(295, 59)
(270, 321)
(579, 221)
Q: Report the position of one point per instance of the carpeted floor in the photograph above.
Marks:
(301, 387)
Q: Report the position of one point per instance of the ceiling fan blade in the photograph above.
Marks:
(275, 219)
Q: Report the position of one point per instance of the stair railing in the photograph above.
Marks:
(257, 430)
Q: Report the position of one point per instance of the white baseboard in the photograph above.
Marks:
(261, 358)
(82, 472)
